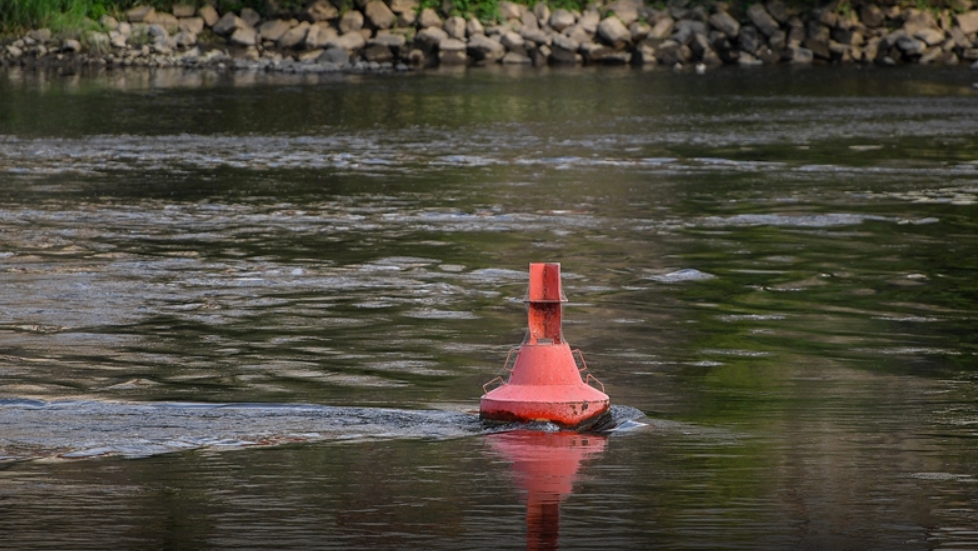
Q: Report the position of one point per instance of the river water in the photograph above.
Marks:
(256, 312)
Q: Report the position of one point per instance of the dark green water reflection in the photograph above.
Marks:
(777, 267)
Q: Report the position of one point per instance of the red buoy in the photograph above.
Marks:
(545, 382)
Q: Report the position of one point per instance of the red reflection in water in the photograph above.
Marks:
(546, 465)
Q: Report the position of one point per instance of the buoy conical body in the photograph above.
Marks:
(546, 382)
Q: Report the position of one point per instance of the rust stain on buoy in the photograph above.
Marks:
(545, 383)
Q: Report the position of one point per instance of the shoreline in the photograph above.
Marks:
(397, 36)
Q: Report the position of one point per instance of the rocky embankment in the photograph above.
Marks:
(398, 35)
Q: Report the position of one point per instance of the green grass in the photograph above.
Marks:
(53, 14)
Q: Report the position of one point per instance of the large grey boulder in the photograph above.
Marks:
(117, 39)
(227, 24)
(451, 51)
(250, 17)
(686, 29)
(71, 45)
(407, 19)
(274, 29)
(509, 10)
(670, 53)
(428, 39)
(626, 10)
(193, 25)
(930, 36)
(377, 53)
(758, 15)
(455, 27)
(589, 21)
(185, 40)
(910, 45)
(725, 23)
(352, 41)
(960, 39)
(578, 33)
(244, 36)
(663, 28)
(351, 21)
(542, 11)
(429, 18)
(819, 47)
(560, 19)
(483, 48)
(473, 27)
(512, 40)
(613, 32)
(335, 55)
(749, 39)
(567, 43)
(321, 10)
(871, 15)
(968, 22)
(639, 31)
(778, 11)
(536, 36)
(294, 36)
(561, 56)
(209, 15)
(108, 22)
(391, 40)
(320, 33)
(168, 22)
(379, 15)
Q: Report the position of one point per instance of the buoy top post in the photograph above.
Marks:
(545, 304)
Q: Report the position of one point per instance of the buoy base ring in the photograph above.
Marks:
(594, 423)
(574, 415)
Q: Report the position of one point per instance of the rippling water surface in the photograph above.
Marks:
(255, 312)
